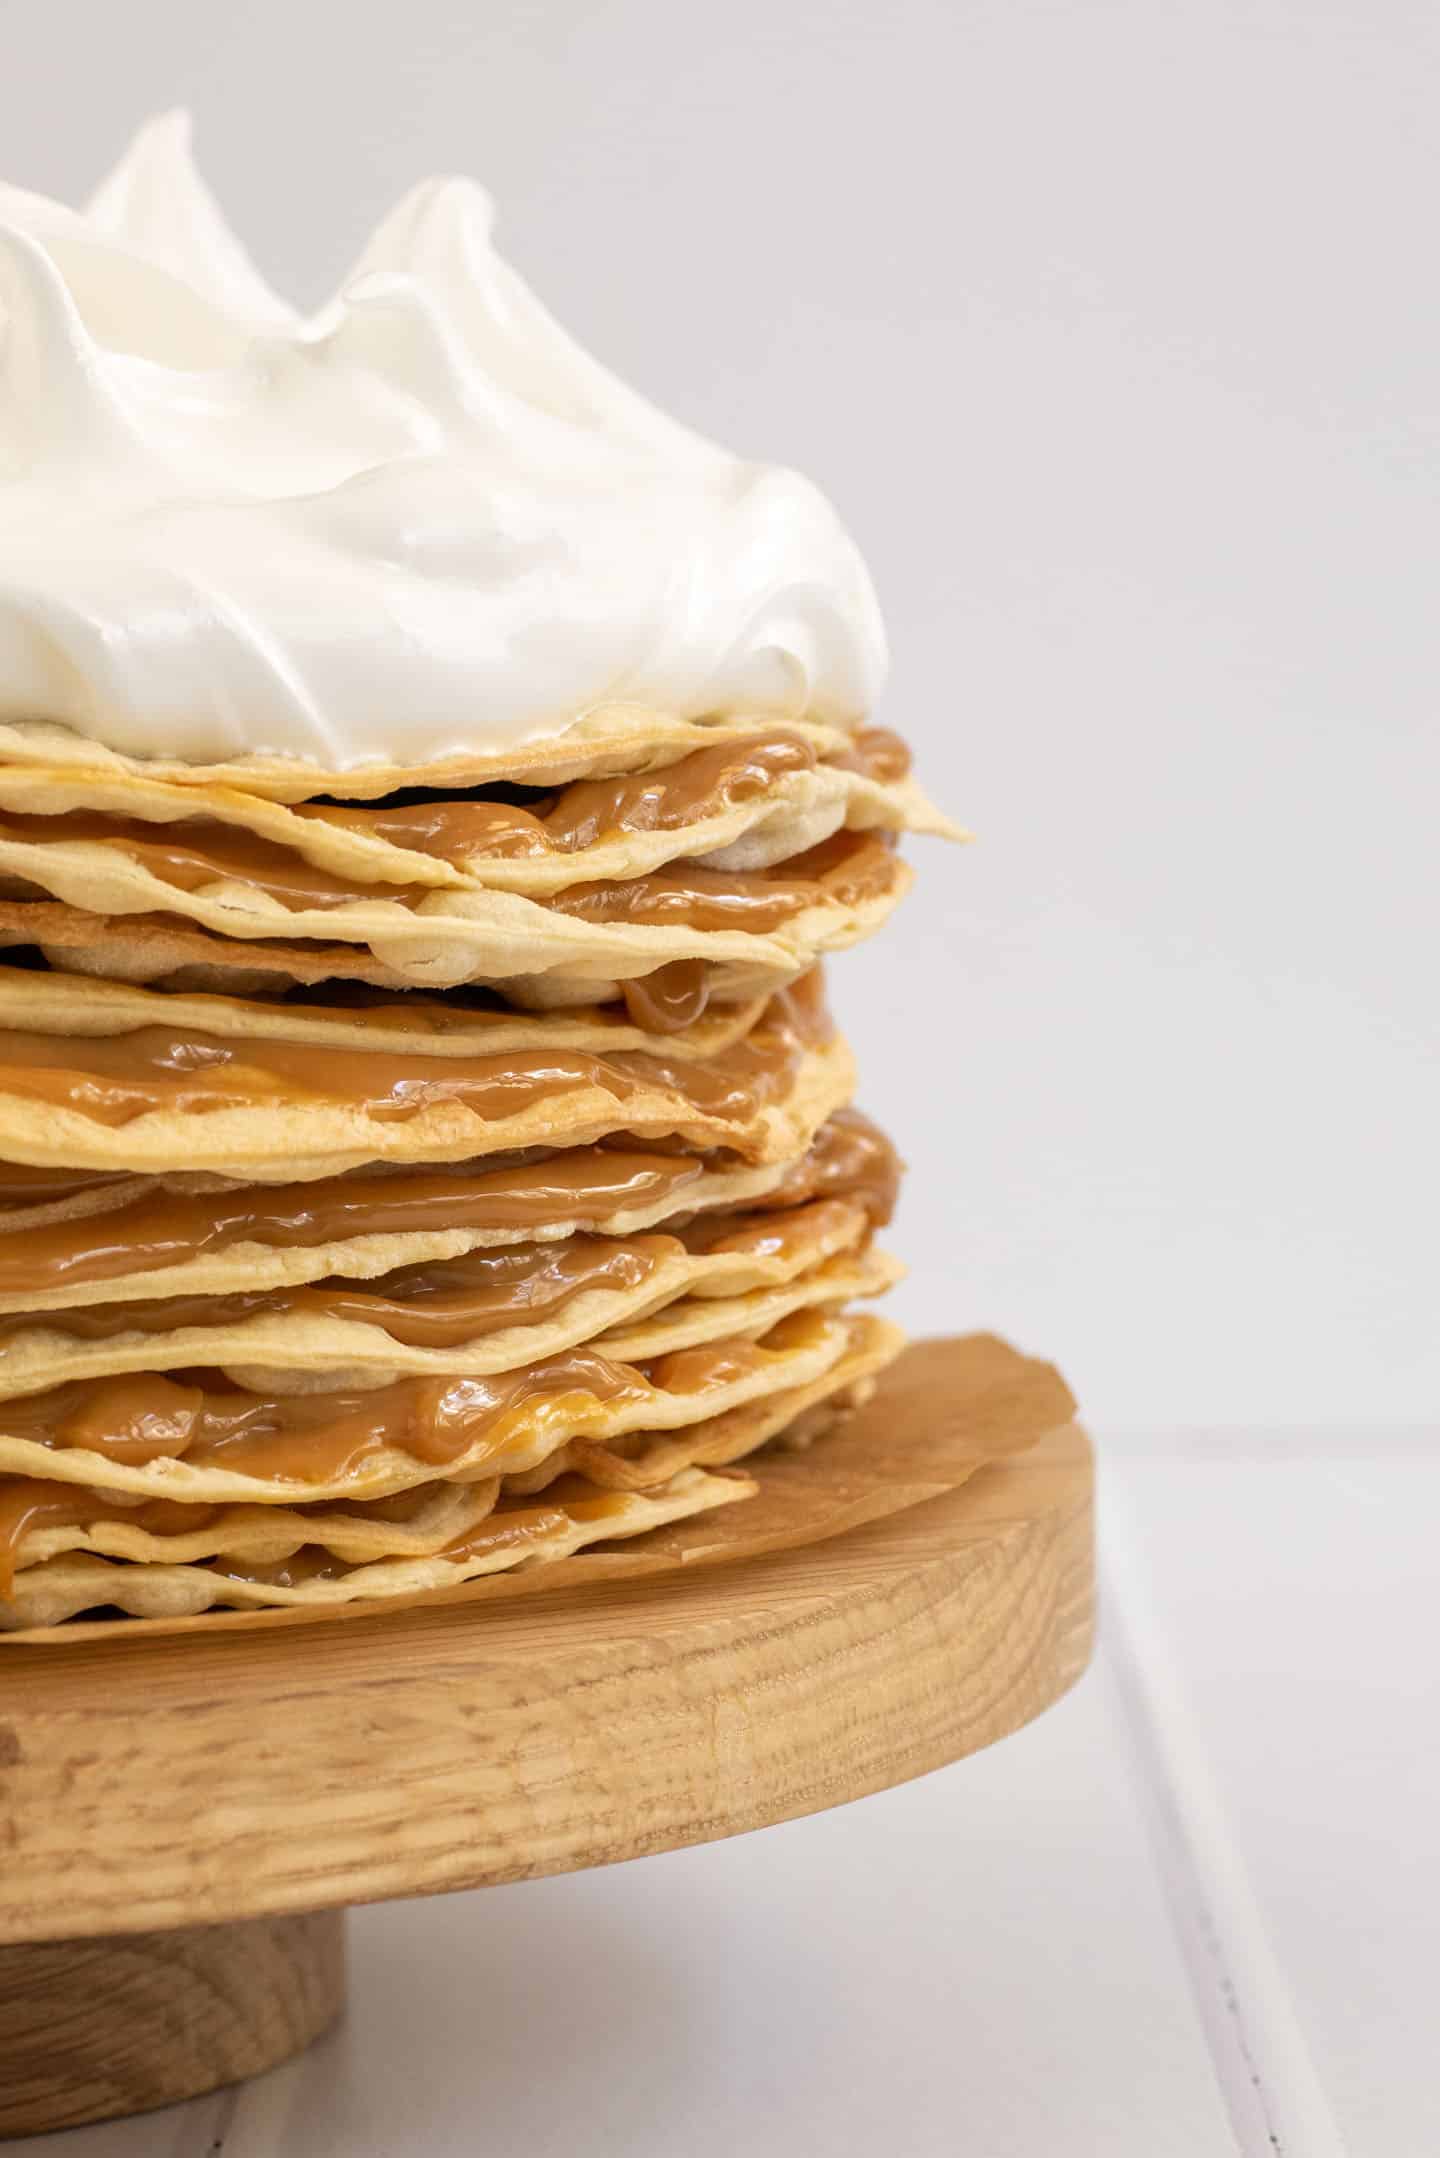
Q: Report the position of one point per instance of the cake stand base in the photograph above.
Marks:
(90, 2029)
(178, 1802)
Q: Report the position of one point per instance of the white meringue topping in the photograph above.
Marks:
(421, 521)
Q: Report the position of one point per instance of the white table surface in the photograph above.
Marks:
(1191, 1912)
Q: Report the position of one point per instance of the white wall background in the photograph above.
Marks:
(1111, 325)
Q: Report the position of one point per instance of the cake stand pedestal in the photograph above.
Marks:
(185, 1810)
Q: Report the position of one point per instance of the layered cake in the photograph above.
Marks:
(430, 780)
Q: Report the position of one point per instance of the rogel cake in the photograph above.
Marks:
(430, 780)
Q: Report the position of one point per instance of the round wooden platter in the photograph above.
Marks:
(185, 1811)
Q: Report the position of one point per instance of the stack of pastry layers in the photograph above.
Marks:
(414, 1174)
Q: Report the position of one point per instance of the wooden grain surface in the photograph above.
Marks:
(90, 2029)
(181, 1780)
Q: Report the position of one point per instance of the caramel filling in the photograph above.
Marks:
(851, 1158)
(439, 1304)
(315, 1438)
(584, 1185)
(508, 1528)
(526, 1522)
(160, 1228)
(191, 852)
(322, 1438)
(115, 1078)
(28, 1504)
(697, 788)
(22, 1187)
(845, 870)
(200, 851)
(670, 999)
(196, 851)
(433, 1305)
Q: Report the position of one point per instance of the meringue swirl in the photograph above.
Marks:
(418, 522)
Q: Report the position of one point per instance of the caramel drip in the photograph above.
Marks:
(115, 1078)
(696, 788)
(320, 1438)
(670, 999)
(847, 869)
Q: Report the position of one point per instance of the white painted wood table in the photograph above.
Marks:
(1192, 1912)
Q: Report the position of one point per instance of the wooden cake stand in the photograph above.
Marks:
(186, 1808)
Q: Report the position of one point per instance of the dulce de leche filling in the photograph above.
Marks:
(193, 852)
(848, 869)
(427, 1306)
(200, 1418)
(510, 1528)
(190, 853)
(115, 1078)
(440, 1304)
(162, 1228)
(695, 789)
(850, 1158)
(670, 999)
(28, 1505)
(156, 1227)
